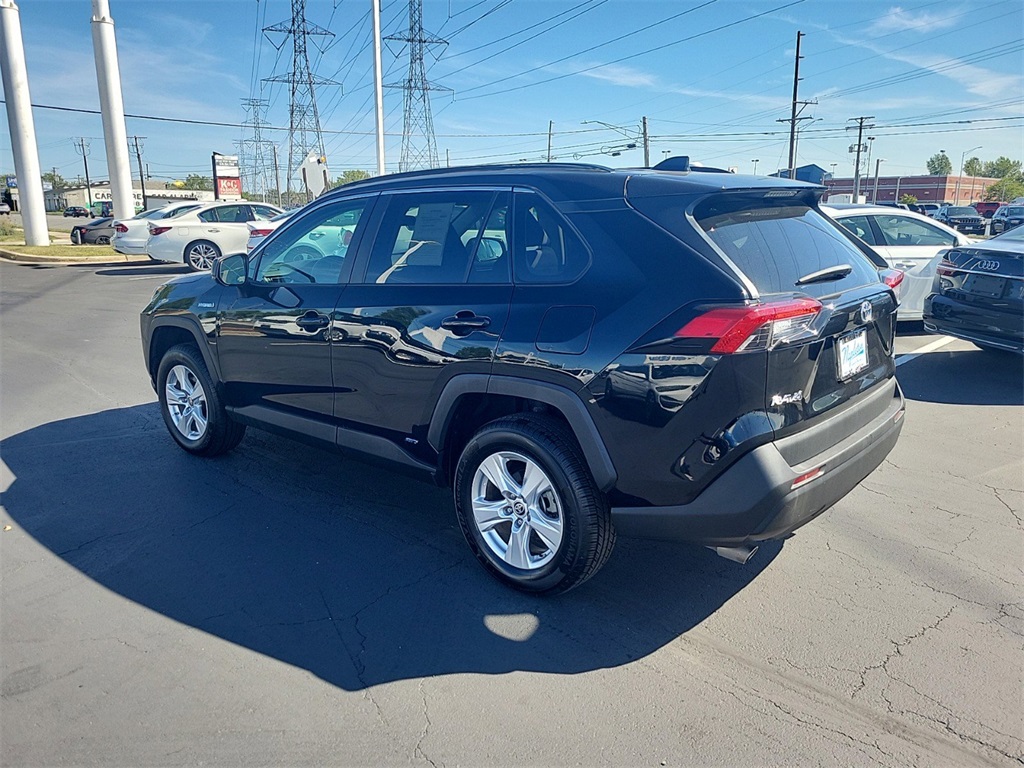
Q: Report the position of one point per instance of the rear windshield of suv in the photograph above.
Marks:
(777, 241)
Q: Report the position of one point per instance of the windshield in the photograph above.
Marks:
(1016, 235)
(962, 212)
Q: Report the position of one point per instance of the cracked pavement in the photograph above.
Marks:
(283, 605)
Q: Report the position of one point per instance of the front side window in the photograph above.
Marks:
(902, 230)
(547, 249)
(315, 248)
(433, 238)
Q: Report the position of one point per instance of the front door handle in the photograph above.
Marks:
(312, 321)
(465, 322)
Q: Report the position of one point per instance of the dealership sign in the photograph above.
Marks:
(227, 177)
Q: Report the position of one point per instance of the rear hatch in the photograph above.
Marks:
(819, 310)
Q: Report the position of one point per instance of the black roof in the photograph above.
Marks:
(570, 181)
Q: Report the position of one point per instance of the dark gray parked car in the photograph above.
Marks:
(96, 232)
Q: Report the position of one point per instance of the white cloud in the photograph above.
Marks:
(900, 20)
(616, 74)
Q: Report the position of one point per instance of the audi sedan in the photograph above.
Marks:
(978, 294)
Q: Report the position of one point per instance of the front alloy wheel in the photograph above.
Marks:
(186, 403)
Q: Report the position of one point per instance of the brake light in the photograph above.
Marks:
(259, 232)
(158, 230)
(762, 326)
(120, 228)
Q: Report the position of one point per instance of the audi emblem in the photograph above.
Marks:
(988, 266)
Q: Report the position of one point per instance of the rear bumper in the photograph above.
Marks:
(754, 500)
(975, 323)
(128, 247)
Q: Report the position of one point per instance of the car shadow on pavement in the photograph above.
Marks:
(357, 574)
(146, 268)
(966, 377)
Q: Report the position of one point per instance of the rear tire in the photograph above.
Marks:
(541, 525)
(199, 255)
(191, 407)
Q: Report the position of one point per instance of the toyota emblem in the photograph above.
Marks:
(866, 312)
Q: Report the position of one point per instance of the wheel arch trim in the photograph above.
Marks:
(567, 402)
(197, 335)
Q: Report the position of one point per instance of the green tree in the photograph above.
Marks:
(908, 199)
(349, 176)
(1009, 187)
(939, 165)
(1001, 168)
(195, 181)
(974, 167)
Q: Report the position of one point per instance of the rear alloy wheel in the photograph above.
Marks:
(529, 507)
(190, 405)
(200, 255)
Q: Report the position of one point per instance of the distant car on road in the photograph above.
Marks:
(131, 235)
(96, 232)
(5, 209)
(978, 294)
(77, 211)
(199, 236)
(962, 218)
(907, 241)
(1006, 218)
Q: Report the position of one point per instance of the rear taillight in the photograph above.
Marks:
(119, 227)
(259, 232)
(761, 326)
(158, 230)
(894, 279)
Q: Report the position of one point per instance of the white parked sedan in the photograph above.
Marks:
(907, 241)
(258, 230)
(130, 235)
(197, 237)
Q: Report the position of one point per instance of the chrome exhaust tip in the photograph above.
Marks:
(741, 555)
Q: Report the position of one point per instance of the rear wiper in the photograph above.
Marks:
(837, 272)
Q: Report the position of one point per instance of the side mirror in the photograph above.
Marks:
(231, 270)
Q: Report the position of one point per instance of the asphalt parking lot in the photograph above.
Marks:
(283, 605)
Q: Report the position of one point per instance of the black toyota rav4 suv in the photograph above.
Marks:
(576, 351)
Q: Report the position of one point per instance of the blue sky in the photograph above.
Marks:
(712, 81)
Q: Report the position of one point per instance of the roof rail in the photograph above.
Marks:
(477, 168)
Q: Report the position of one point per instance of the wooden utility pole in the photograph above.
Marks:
(647, 144)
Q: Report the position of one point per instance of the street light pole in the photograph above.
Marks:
(956, 191)
(755, 161)
(874, 194)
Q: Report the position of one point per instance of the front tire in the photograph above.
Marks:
(199, 256)
(190, 405)
(529, 507)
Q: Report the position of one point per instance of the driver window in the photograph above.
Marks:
(899, 230)
(313, 248)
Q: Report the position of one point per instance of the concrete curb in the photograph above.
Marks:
(26, 258)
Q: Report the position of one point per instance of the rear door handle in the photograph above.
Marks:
(465, 322)
(312, 321)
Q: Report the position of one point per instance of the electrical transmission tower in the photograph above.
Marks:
(255, 149)
(419, 147)
(304, 133)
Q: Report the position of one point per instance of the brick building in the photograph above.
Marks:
(927, 189)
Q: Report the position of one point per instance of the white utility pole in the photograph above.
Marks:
(23, 130)
(115, 137)
(378, 87)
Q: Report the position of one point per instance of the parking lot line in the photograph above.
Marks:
(937, 344)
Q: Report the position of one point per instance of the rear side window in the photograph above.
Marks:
(547, 249)
(775, 242)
